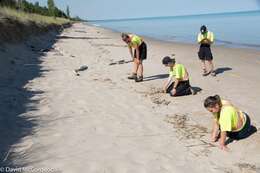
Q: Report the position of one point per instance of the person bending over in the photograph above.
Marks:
(138, 46)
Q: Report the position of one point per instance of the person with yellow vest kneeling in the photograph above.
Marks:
(229, 121)
(178, 83)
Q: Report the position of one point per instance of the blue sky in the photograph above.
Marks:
(116, 9)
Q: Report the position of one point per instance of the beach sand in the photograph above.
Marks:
(101, 122)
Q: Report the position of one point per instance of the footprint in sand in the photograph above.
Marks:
(156, 95)
(119, 62)
(107, 80)
(247, 168)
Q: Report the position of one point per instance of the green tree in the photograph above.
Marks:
(51, 7)
(37, 4)
(9, 3)
(23, 5)
(68, 11)
(19, 4)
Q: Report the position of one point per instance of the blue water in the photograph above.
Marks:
(240, 29)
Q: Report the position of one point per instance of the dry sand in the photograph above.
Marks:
(101, 122)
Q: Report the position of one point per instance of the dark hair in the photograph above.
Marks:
(167, 60)
(203, 29)
(211, 101)
(124, 36)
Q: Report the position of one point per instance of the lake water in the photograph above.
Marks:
(240, 29)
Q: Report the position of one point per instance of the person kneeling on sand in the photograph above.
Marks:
(178, 82)
(137, 44)
(229, 121)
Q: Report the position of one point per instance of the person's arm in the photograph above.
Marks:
(211, 38)
(131, 51)
(222, 141)
(136, 47)
(167, 83)
(215, 131)
(205, 41)
(176, 82)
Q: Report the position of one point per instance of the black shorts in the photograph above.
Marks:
(183, 88)
(142, 51)
(243, 133)
(205, 53)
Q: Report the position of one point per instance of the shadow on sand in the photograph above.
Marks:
(196, 90)
(81, 38)
(16, 100)
(154, 77)
(222, 70)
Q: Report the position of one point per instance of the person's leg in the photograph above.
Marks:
(143, 54)
(135, 70)
(183, 89)
(140, 68)
(209, 59)
(140, 71)
(211, 66)
(202, 56)
(204, 68)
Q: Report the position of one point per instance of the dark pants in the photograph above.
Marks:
(182, 89)
(205, 53)
(142, 51)
(243, 133)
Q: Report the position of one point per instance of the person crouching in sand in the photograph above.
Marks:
(137, 44)
(229, 121)
(178, 82)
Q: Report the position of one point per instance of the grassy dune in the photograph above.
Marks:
(28, 17)
(17, 25)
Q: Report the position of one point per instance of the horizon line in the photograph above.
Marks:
(180, 16)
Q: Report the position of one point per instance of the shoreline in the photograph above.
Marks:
(255, 48)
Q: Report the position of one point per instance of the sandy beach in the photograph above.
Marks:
(101, 122)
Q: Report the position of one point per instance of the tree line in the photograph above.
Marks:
(23, 5)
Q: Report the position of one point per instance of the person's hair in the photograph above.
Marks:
(167, 60)
(211, 101)
(124, 36)
(203, 29)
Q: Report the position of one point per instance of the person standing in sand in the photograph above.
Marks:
(178, 82)
(205, 39)
(137, 44)
(229, 120)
